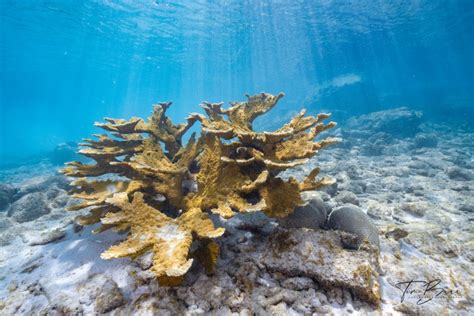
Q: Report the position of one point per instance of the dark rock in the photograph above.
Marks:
(433, 245)
(466, 207)
(31, 206)
(299, 283)
(463, 161)
(397, 233)
(371, 150)
(30, 268)
(375, 144)
(7, 237)
(5, 223)
(76, 227)
(351, 241)
(145, 261)
(7, 193)
(32, 263)
(351, 219)
(425, 140)
(53, 192)
(44, 184)
(381, 138)
(311, 215)
(60, 200)
(415, 208)
(468, 251)
(358, 186)
(460, 174)
(346, 197)
(400, 122)
(319, 255)
(251, 221)
(102, 292)
(109, 298)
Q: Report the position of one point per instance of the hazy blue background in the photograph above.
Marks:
(65, 64)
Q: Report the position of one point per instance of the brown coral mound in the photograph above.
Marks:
(161, 191)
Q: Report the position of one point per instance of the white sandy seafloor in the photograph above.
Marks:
(420, 198)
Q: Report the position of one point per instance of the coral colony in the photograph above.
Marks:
(162, 191)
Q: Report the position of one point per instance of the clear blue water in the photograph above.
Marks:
(65, 64)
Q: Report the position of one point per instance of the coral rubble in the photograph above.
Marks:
(162, 191)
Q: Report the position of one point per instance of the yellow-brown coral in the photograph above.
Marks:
(161, 191)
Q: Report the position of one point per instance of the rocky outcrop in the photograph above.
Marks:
(47, 183)
(320, 255)
(399, 122)
(29, 207)
(7, 193)
(103, 293)
(425, 141)
(459, 174)
(45, 237)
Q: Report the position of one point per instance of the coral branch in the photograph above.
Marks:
(161, 192)
(168, 238)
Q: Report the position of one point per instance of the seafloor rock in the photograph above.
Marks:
(396, 233)
(399, 122)
(376, 144)
(5, 223)
(416, 208)
(346, 197)
(45, 237)
(378, 210)
(439, 246)
(353, 220)
(43, 184)
(319, 255)
(425, 140)
(29, 207)
(467, 207)
(102, 292)
(60, 200)
(460, 174)
(6, 195)
(311, 215)
(7, 237)
(109, 298)
(299, 283)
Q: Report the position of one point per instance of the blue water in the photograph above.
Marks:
(65, 64)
